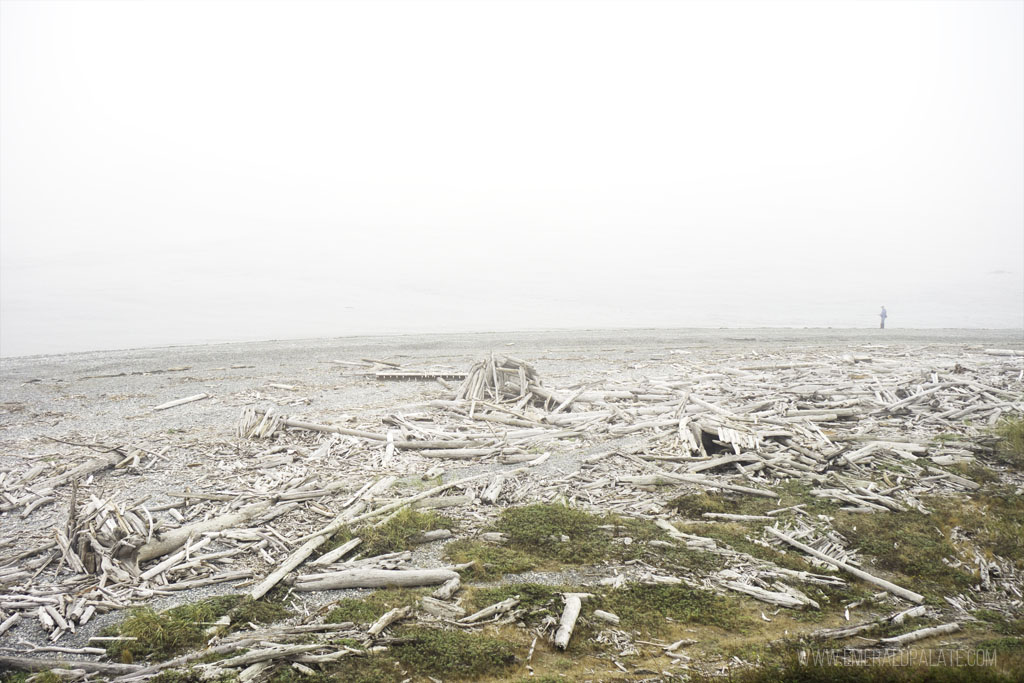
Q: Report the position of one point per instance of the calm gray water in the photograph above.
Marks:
(129, 308)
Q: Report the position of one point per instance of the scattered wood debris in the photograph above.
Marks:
(860, 429)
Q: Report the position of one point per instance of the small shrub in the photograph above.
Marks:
(539, 529)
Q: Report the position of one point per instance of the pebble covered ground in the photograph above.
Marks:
(107, 398)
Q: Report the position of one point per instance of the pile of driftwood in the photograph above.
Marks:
(860, 429)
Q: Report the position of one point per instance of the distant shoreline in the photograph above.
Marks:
(1010, 336)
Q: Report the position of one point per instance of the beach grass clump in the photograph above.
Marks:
(370, 608)
(1009, 449)
(554, 532)
(646, 607)
(491, 560)
(910, 543)
(161, 635)
(418, 653)
(396, 534)
(550, 535)
(452, 654)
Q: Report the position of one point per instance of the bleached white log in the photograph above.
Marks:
(573, 605)
(440, 608)
(388, 618)
(336, 554)
(175, 538)
(859, 573)
(441, 502)
(771, 597)
(430, 536)
(921, 634)
(449, 588)
(255, 656)
(43, 664)
(491, 610)
(373, 578)
(10, 622)
(181, 401)
(493, 490)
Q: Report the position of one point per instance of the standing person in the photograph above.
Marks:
(883, 315)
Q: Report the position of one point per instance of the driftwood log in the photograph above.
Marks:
(859, 573)
(373, 578)
(566, 625)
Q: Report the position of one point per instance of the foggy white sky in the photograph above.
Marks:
(183, 172)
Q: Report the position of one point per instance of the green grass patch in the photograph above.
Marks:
(452, 654)
(694, 505)
(1000, 623)
(1003, 645)
(491, 560)
(645, 607)
(910, 543)
(392, 536)
(539, 529)
(1010, 448)
(994, 520)
(680, 558)
(161, 635)
(416, 653)
(369, 609)
(547, 536)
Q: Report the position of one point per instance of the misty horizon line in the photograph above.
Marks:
(524, 330)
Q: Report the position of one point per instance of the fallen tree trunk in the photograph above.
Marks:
(175, 538)
(373, 578)
(921, 634)
(449, 588)
(45, 664)
(771, 597)
(264, 655)
(573, 605)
